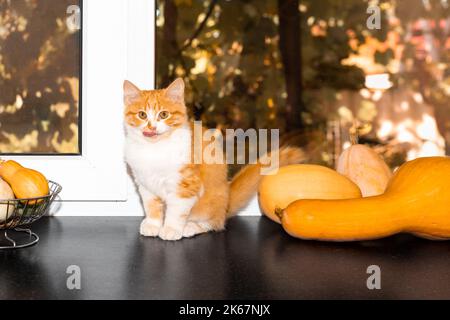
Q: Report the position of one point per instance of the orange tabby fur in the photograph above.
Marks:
(214, 198)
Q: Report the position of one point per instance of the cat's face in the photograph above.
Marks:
(152, 115)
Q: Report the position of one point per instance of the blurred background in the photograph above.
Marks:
(39, 78)
(313, 69)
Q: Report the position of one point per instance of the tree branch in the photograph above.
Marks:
(201, 26)
(291, 54)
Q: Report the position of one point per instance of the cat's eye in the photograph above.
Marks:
(163, 115)
(142, 115)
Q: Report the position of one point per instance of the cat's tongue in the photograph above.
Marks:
(150, 133)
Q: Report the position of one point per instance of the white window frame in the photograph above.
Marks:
(97, 181)
(118, 44)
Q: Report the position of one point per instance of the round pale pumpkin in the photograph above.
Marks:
(302, 181)
(366, 168)
(6, 206)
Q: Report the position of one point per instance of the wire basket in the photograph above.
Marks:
(23, 212)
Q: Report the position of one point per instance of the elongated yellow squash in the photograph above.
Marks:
(302, 181)
(417, 201)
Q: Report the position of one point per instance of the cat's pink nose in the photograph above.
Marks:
(150, 132)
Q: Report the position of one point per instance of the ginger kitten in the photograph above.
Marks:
(181, 199)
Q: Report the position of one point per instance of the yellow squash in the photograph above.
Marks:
(366, 168)
(25, 183)
(302, 181)
(417, 201)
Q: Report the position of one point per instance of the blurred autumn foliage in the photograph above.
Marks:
(313, 69)
(39, 78)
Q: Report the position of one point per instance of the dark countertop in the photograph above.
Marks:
(254, 259)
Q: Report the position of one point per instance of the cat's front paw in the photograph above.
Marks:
(170, 234)
(149, 228)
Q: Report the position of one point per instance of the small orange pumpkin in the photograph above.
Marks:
(25, 183)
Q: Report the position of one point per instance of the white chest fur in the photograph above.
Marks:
(156, 165)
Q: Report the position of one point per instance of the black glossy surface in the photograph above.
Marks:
(254, 259)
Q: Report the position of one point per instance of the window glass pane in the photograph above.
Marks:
(40, 46)
(316, 69)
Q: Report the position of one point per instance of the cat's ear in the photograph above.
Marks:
(131, 93)
(175, 92)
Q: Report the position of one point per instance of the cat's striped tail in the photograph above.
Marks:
(245, 183)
